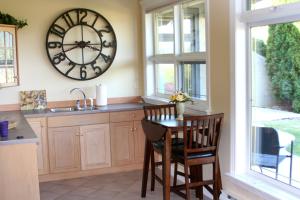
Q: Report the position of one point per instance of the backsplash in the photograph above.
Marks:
(34, 99)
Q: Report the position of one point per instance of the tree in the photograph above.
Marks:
(283, 63)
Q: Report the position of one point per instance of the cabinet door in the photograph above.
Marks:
(95, 146)
(64, 149)
(122, 143)
(38, 125)
(139, 141)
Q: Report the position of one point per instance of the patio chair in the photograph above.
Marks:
(266, 150)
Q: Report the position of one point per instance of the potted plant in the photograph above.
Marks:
(180, 98)
(8, 19)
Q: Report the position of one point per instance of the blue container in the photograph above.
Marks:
(3, 128)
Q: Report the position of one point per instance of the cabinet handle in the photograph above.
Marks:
(131, 129)
(134, 129)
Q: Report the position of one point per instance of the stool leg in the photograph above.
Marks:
(196, 176)
(216, 191)
(146, 167)
(175, 173)
(152, 169)
(187, 182)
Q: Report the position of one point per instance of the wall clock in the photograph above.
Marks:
(81, 44)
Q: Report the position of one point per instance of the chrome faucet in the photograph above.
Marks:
(84, 98)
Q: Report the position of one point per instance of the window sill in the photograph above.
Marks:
(263, 188)
(198, 106)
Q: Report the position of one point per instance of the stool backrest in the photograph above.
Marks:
(157, 112)
(202, 133)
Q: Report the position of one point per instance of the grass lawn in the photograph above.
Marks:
(291, 126)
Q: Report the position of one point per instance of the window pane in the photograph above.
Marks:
(257, 4)
(165, 32)
(10, 75)
(9, 56)
(1, 39)
(276, 101)
(194, 26)
(165, 78)
(8, 39)
(2, 75)
(2, 56)
(193, 80)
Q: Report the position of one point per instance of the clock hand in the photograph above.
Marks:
(67, 50)
(94, 48)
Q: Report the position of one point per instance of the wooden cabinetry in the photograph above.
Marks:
(64, 149)
(127, 137)
(39, 127)
(79, 142)
(95, 146)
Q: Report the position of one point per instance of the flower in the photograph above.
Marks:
(179, 96)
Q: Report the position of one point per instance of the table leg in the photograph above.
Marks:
(146, 167)
(167, 165)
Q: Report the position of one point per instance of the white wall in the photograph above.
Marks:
(123, 78)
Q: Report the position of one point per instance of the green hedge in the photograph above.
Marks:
(283, 63)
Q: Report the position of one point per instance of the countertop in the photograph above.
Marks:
(24, 130)
(108, 108)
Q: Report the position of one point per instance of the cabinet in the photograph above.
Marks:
(39, 127)
(95, 146)
(79, 142)
(127, 137)
(64, 149)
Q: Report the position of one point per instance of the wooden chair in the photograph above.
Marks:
(201, 136)
(155, 134)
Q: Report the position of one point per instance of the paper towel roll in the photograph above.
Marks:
(101, 95)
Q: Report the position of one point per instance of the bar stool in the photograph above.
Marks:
(201, 136)
(155, 137)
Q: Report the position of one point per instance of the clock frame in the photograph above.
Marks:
(81, 44)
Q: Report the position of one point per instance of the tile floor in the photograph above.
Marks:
(123, 186)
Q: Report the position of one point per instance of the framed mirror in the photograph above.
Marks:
(8, 56)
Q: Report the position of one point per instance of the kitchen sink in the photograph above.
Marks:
(68, 109)
(72, 109)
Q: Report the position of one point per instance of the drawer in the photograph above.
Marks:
(138, 115)
(77, 120)
(123, 116)
(126, 116)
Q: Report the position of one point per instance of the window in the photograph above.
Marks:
(165, 79)
(176, 46)
(193, 79)
(194, 27)
(268, 111)
(8, 57)
(258, 4)
(165, 32)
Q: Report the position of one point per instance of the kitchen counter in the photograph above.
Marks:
(108, 108)
(26, 135)
(23, 130)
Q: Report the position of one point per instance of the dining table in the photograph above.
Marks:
(172, 126)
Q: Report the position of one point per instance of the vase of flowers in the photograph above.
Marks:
(180, 98)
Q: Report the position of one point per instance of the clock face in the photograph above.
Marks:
(81, 44)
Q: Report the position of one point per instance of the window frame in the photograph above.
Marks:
(241, 22)
(151, 58)
(12, 29)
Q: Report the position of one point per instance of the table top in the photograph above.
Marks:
(169, 123)
(172, 122)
